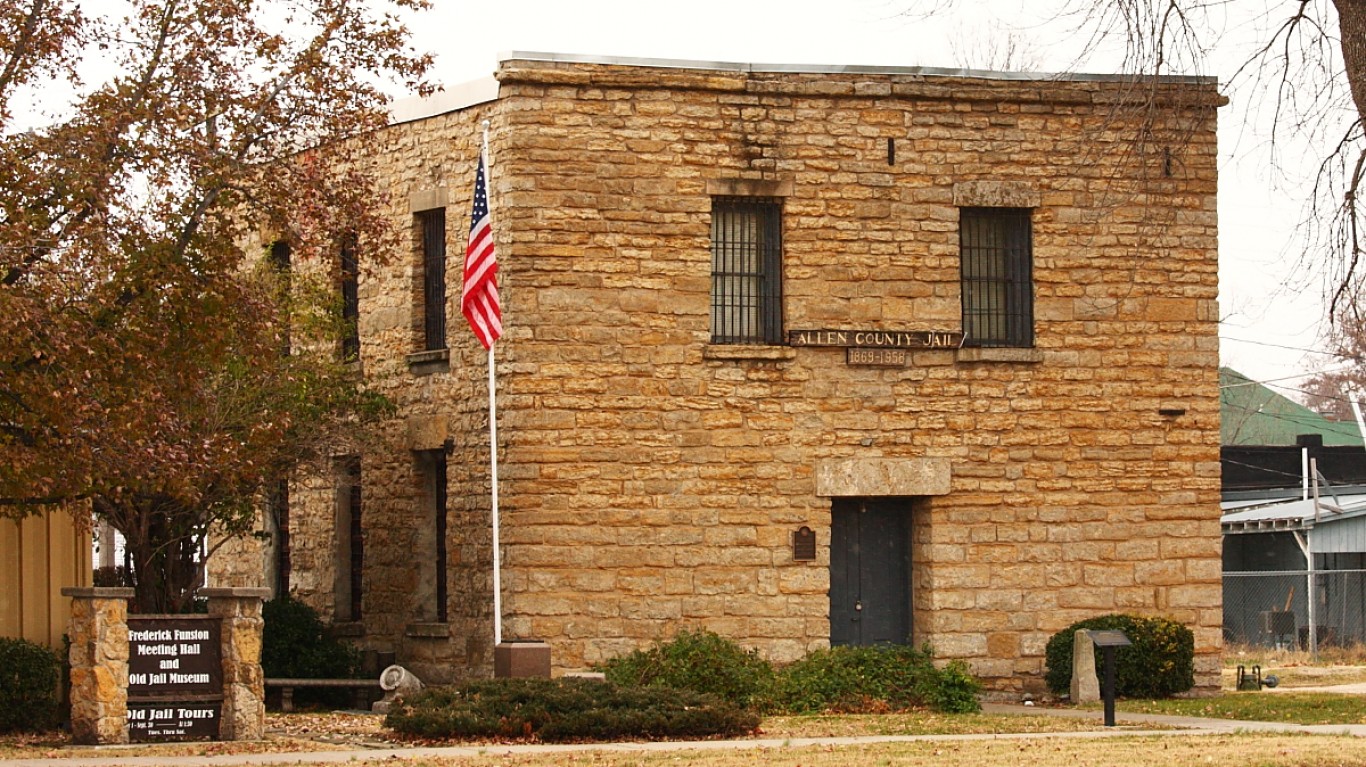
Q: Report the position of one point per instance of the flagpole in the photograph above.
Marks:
(493, 452)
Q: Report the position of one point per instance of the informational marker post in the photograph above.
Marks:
(175, 677)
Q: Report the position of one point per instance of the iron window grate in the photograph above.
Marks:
(433, 224)
(746, 267)
(996, 249)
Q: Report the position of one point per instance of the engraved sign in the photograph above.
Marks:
(877, 339)
(884, 358)
(173, 721)
(175, 677)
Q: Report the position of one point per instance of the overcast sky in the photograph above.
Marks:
(1264, 305)
(1270, 311)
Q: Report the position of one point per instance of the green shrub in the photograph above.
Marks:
(296, 643)
(880, 678)
(28, 686)
(700, 661)
(559, 710)
(1160, 663)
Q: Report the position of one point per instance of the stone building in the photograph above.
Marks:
(800, 355)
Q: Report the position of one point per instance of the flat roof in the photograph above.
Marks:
(1297, 514)
(834, 69)
(483, 90)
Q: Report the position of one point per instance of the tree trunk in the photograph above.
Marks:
(1352, 30)
(163, 550)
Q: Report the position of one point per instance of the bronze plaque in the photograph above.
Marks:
(877, 339)
(175, 677)
(881, 358)
(804, 544)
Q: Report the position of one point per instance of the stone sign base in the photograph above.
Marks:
(100, 670)
(521, 659)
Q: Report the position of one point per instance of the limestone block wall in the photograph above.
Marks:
(652, 481)
(98, 629)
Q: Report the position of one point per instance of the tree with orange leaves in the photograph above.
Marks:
(141, 365)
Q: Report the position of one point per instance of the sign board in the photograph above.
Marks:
(877, 339)
(1109, 638)
(880, 358)
(175, 677)
(159, 721)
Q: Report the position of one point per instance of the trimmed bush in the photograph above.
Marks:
(560, 710)
(700, 661)
(296, 643)
(880, 678)
(28, 686)
(1160, 663)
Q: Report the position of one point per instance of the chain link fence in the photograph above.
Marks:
(1272, 609)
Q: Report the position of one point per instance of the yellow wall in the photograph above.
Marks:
(39, 556)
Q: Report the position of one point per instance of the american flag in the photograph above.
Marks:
(479, 297)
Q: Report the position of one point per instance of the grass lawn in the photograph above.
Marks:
(1225, 751)
(1298, 708)
(337, 730)
(1235, 750)
(1240, 750)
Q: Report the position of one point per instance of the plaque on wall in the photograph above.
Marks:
(175, 677)
(804, 544)
(878, 358)
(877, 339)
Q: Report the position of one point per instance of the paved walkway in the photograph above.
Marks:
(1187, 726)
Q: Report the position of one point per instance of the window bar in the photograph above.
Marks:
(434, 278)
(439, 497)
(357, 539)
(280, 504)
(350, 294)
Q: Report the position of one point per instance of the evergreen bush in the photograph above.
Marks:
(561, 710)
(28, 686)
(1160, 663)
(297, 644)
(879, 678)
(701, 661)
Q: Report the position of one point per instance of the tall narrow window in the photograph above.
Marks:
(433, 227)
(280, 258)
(278, 509)
(350, 542)
(433, 466)
(746, 270)
(996, 250)
(350, 295)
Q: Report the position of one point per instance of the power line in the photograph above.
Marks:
(1290, 348)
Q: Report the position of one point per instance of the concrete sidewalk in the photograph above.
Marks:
(1189, 726)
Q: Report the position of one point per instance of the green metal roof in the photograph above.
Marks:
(1253, 414)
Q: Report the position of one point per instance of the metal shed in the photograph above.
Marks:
(1295, 570)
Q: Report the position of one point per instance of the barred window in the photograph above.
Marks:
(350, 295)
(433, 228)
(349, 587)
(996, 249)
(277, 510)
(431, 554)
(746, 270)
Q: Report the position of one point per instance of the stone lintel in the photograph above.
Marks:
(873, 477)
(97, 592)
(996, 194)
(748, 187)
(427, 432)
(427, 199)
(236, 592)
